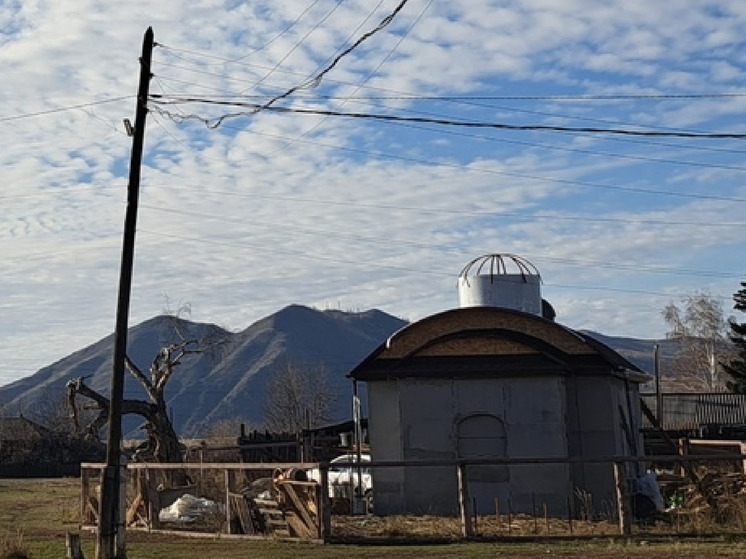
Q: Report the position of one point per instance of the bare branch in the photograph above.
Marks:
(139, 375)
(166, 361)
(79, 387)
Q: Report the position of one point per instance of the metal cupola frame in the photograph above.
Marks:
(501, 280)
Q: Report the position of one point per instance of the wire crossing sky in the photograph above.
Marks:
(365, 152)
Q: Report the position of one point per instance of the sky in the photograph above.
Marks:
(585, 136)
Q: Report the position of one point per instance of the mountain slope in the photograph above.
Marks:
(228, 381)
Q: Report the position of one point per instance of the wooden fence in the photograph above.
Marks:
(302, 509)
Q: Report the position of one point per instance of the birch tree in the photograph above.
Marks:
(700, 328)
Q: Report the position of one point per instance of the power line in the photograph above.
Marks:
(360, 85)
(379, 265)
(402, 96)
(468, 99)
(315, 80)
(502, 173)
(255, 108)
(618, 155)
(498, 214)
(652, 96)
(64, 109)
(278, 35)
(388, 241)
(298, 44)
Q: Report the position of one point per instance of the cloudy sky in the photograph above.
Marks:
(274, 207)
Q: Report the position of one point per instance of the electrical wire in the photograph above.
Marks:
(356, 237)
(505, 173)
(378, 265)
(554, 147)
(297, 45)
(316, 80)
(255, 108)
(469, 100)
(367, 78)
(499, 214)
(277, 36)
(617, 155)
(64, 109)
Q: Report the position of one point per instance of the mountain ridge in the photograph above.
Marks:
(230, 379)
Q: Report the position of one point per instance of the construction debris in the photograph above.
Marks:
(726, 494)
(286, 505)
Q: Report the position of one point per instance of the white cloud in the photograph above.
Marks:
(273, 209)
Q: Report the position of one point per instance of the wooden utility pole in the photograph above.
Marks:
(110, 542)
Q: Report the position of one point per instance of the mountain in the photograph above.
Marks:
(640, 352)
(230, 379)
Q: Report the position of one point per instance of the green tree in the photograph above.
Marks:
(701, 330)
(736, 367)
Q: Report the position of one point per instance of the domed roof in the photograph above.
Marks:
(491, 342)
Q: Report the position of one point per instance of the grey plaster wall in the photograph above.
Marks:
(531, 412)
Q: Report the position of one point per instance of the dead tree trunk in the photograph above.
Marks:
(163, 442)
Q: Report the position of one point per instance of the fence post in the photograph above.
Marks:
(154, 505)
(622, 498)
(121, 525)
(73, 546)
(467, 528)
(229, 476)
(326, 507)
(84, 493)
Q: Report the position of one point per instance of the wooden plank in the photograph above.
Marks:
(93, 508)
(467, 527)
(245, 466)
(270, 512)
(229, 482)
(325, 508)
(241, 509)
(299, 505)
(623, 502)
(152, 500)
(85, 488)
(266, 502)
(297, 525)
(132, 510)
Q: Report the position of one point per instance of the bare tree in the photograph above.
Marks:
(163, 442)
(700, 327)
(300, 397)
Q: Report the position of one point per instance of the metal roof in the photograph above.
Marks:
(687, 411)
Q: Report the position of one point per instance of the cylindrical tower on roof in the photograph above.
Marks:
(501, 280)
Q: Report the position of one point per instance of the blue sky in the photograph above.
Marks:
(272, 208)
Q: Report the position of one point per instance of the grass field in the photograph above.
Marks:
(36, 515)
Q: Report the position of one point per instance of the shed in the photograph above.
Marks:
(491, 382)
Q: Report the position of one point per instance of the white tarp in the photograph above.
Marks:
(188, 508)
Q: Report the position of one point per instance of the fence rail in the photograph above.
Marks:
(316, 517)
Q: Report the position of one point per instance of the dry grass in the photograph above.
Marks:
(13, 547)
(438, 528)
(35, 516)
